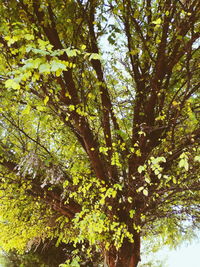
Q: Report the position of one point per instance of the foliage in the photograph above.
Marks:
(99, 125)
(42, 255)
(13, 260)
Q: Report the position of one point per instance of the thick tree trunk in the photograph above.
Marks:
(127, 256)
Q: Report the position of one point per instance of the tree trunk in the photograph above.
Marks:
(127, 256)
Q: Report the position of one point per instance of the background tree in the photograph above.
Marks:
(99, 147)
(47, 254)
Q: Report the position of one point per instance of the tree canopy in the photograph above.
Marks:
(99, 125)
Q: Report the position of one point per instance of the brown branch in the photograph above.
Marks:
(50, 197)
(183, 28)
(160, 65)
(189, 140)
(107, 108)
(25, 133)
(133, 58)
(54, 200)
(105, 98)
(79, 122)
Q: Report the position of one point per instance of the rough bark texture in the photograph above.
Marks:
(127, 256)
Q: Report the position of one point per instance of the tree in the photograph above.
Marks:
(99, 123)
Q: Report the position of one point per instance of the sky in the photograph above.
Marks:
(187, 255)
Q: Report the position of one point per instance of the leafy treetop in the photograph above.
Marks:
(99, 123)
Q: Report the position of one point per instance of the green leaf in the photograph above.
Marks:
(134, 52)
(147, 179)
(94, 56)
(145, 192)
(29, 36)
(26, 110)
(130, 200)
(44, 68)
(157, 22)
(11, 83)
(36, 62)
(197, 158)
(57, 65)
(71, 52)
(183, 163)
(46, 100)
(132, 212)
(141, 169)
(83, 47)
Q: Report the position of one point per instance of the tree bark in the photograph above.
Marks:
(127, 256)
